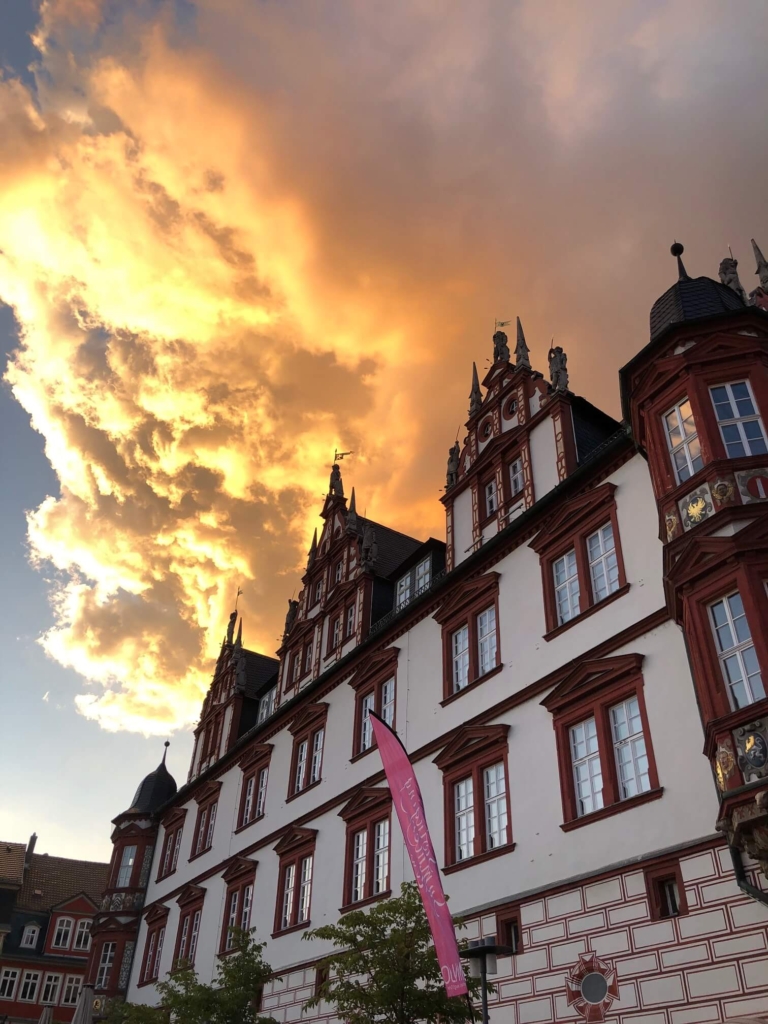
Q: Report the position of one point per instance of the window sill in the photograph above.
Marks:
(147, 981)
(162, 878)
(301, 792)
(470, 686)
(585, 614)
(200, 853)
(247, 824)
(294, 928)
(364, 903)
(611, 809)
(363, 753)
(224, 953)
(479, 858)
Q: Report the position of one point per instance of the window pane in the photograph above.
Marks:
(460, 643)
(495, 806)
(381, 856)
(587, 772)
(629, 747)
(464, 818)
(359, 862)
(366, 726)
(486, 639)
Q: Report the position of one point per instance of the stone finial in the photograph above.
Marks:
(762, 266)
(231, 627)
(290, 618)
(522, 358)
(452, 472)
(312, 550)
(677, 249)
(475, 395)
(335, 486)
(500, 347)
(729, 276)
(239, 640)
(557, 368)
(352, 514)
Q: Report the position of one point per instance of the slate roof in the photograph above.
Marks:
(260, 673)
(393, 547)
(59, 878)
(12, 863)
(153, 791)
(691, 299)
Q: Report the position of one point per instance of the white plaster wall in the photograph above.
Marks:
(543, 458)
(462, 525)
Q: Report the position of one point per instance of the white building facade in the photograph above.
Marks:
(577, 675)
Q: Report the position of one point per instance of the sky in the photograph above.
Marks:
(236, 235)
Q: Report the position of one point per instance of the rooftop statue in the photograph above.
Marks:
(557, 369)
(452, 473)
(500, 347)
(231, 628)
(290, 618)
(335, 486)
(729, 276)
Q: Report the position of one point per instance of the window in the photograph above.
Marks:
(254, 796)
(491, 498)
(349, 621)
(296, 675)
(736, 651)
(8, 978)
(368, 854)
(740, 425)
(308, 658)
(666, 893)
(469, 621)
(566, 587)
(580, 556)
(516, 478)
(51, 988)
(604, 749)
(83, 936)
(294, 897)
(29, 938)
(338, 572)
(423, 571)
(267, 704)
(318, 591)
(207, 800)
(238, 902)
(476, 797)
(189, 930)
(106, 960)
(126, 867)
(381, 700)
(508, 929)
(153, 953)
(683, 441)
(403, 591)
(29, 986)
(171, 848)
(72, 990)
(308, 729)
(63, 934)
(336, 633)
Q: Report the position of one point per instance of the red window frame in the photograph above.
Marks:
(173, 825)
(190, 901)
(468, 754)
(157, 921)
(463, 608)
(337, 617)
(240, 874)
(364, 811)
(509, 930)
(590, 691)
(207, 799)
(295, 845)
(352, 607)
(305, 727)
(487, 516)
(252, 764)
(655, 876)
(568, 530)
(377, 670)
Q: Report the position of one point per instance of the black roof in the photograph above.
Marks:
(393, 547)
(153, 792)
(691, 299)
(260, 673)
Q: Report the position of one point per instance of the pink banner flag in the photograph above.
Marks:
(406, 796)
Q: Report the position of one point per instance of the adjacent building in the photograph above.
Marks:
(577, 672)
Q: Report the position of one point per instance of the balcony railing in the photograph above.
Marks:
(391, 616)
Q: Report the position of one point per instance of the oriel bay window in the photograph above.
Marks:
(296, 851)
(741, 428)
(173, 826)
(207, 799)
(469, 621)
(190, 901)
(253, 793)
(125, 870)
(106, 962)
(366, 868)
(308, 731)
(374, 686)
(580, 556)
(603, 741)
(157, 919)
(239, 879)
(683, 440)
(476, 795)
(736, 651)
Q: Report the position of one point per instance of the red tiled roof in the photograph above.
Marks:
(51, 880)
(12, 862)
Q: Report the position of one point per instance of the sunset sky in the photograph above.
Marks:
(236, 234)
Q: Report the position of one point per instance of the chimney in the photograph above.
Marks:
(30, 850)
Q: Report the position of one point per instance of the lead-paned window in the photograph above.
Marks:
(205, 826)
(267, 704)
(317, 756)
(736, 651)
(126, 867)
(567, 593)
(464, 816)
(296, 892)
(629, 748)
(460, 648)
(683, 441)
(738, 419)
(603, 565)
(587, 772)
(308, 657)
(307, 759)
(479, 803)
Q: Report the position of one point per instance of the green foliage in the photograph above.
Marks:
(231, 999)
(385, 969)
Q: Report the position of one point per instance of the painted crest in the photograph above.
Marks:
(591, 987)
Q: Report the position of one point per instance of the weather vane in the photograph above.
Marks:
(239, 592)
(338, 456)
(501, 323)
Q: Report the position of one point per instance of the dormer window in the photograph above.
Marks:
(267, 704)
(63, 933)
(683, 441)
(29, 938)
(738, 419)
(422, 575)
(404, 591)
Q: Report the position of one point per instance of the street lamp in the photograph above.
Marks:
(482, 962)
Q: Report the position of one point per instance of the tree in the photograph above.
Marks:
(231, 999)
(385, 969)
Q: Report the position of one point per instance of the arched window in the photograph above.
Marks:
(63, 935)
(29, 938)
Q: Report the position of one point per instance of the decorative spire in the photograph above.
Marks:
(729, 276)
(352, 514)
(166, 745)
(475, 395)
(521, 349)
(762, 266)
(312, 550)
(677, 249)
(239, 640)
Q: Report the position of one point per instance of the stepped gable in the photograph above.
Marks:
(51, 880)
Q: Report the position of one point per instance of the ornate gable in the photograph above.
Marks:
(382, 663)
(257, 753)
(80, 903)
(589, 676)
(471, 591)
(157, 912)
(207, 792)
(366, 801)
(470, 742)
(570, 516)
(190, 894)
(239, 867)
(174, 818)
(295, 838)
(307, 717)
